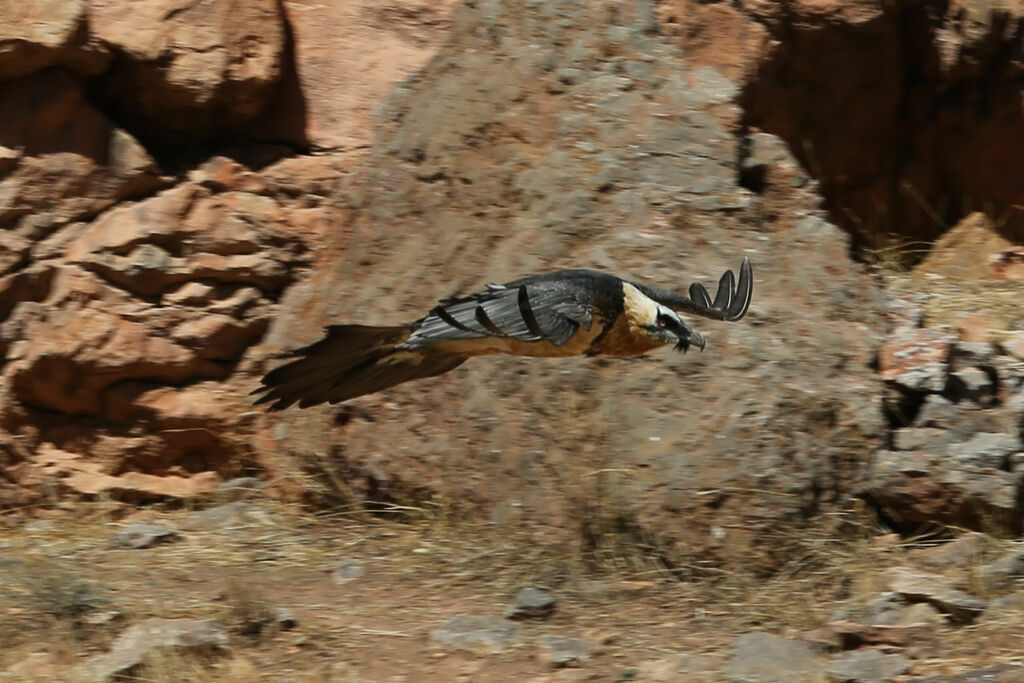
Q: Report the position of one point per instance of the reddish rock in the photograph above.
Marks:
(922, 587)
(965, 252)
(72, 162)
(916, 489)
(87, 477)
(715, 34)
(382, 42)
(187, 69)
(94, 337)
(916, 358)
(919, 638)
(37, 35)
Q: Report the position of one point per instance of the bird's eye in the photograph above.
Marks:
(661, 321)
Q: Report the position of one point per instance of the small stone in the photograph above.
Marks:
(936, 412)
(987, 449)
(608, 83)
(916, 359)
(559, 651)
(886, 540)
(100, 617)
(920, 613)
(133, 646)
(191, 294)
(675, 668)
(429, 173)
(234, 514)
(347, 570)
(768, 658)
(905, 313)
(920, 587)
(960, 552)
(1009, 566)
(927, 377)
(884, 610)
(1003, 607)
(919, 637)
(1000, 673)
(141, 535)
(870, 665)
(285, 618)
(486, 634)
(920, 438)
(972, 384)
(39, 526)
(531, 603)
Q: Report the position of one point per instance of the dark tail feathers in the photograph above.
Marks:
(350, 361)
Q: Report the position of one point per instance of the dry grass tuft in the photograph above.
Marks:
(169, 665)
(249, 611)
(52, 592)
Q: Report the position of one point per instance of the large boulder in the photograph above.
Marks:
(565, 134)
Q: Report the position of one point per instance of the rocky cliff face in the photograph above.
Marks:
(908, 113)
(189, 189)
(136, 270)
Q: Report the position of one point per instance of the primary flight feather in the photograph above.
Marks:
(565, 313)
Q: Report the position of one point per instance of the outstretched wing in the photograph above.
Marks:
(531, 310)
(730, 303)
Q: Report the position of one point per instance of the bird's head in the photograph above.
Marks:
(668, 328)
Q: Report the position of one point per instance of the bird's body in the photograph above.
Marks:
(560, 314)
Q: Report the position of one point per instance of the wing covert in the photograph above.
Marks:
(529, 312)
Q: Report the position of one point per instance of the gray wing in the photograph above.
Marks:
(529, 312)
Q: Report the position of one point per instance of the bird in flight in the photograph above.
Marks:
(555, 315)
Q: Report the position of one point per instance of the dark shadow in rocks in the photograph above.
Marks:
(902, 144)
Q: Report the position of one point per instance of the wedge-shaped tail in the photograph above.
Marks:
(352, 360)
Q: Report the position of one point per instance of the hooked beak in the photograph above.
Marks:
(689, 337)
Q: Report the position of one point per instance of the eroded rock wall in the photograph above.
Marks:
(907, 112)
(136, 269)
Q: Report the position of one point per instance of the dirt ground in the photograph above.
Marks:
(416, 575)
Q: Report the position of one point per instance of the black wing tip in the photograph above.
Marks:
(743, 293)
(699, 295)
(732, 299)
(266, 394)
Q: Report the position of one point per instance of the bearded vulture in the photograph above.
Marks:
(565, 313)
